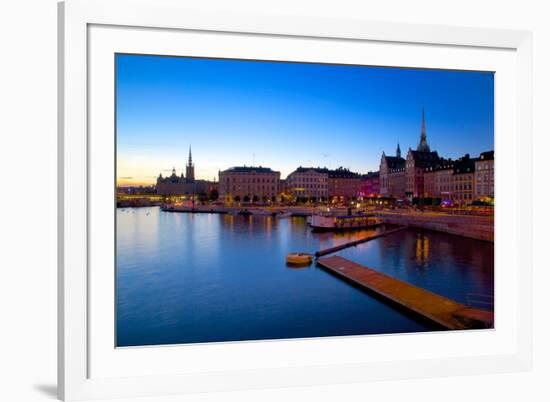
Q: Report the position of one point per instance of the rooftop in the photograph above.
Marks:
(424, 158)
(249, 169)
(394, 162)
(443, 164)
(487, 156)
(343, 173)
(307, 169)
(340, 173)
(465, 164)
(371, 175)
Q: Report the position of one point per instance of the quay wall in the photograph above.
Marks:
(476, 227)
(255, 210)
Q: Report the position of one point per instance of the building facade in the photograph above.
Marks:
(429, 182)
(416, 164)
(443, 180)
(462, 181)
(370, 185)
(249, 184)
(308, 183)
(392, 175)
(343, 185)
(437, 180)
(485, 175)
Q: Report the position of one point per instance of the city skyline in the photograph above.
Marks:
(284, 115)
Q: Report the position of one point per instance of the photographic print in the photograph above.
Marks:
(264, 200)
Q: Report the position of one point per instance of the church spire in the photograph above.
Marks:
(190, 169)
(398, 151)
(190, 162)
(423, 144)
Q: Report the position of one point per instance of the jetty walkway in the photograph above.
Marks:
(438, 309)
(352, 243)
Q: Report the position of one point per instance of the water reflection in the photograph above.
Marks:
(184, 278)
(422, 249)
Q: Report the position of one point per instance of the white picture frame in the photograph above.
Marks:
(76, 348)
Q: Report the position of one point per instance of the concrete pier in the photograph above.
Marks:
(438, 309)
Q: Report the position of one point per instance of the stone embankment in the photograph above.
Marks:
(476, 227)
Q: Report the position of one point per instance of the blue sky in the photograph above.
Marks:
(284, 115)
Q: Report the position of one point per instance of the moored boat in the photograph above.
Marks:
(299, 259)
(345, 222)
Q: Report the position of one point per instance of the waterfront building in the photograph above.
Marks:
(308, 183)
(249, 184)
(370, 185)
(424, 174)
(438, 180)
(392, 175)
(429, 182)
(463, 181)
(485, 175)
(343, 184)
(182, 185)
(443, 180)
(417, 162)
(443, 173)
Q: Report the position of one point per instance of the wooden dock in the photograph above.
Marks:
(373, 236)
(438, 309)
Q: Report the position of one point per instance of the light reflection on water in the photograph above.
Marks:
(185, 278)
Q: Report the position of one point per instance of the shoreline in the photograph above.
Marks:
(477, 227)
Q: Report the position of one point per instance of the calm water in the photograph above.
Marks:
(184, 278)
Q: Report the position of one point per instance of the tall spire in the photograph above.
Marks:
(190, 169)
(423, 144)
(398, 151)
